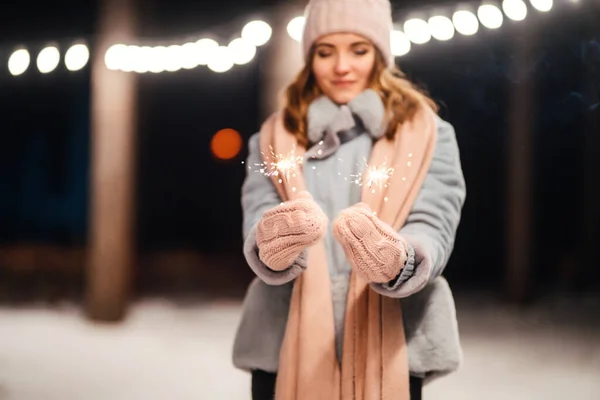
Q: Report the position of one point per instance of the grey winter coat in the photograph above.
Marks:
(346, 138)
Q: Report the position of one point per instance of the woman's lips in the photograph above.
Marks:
(343, 83)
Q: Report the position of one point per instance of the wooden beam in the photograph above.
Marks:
(283, 59)
(113, 130)
(587, 263)
(519, 166)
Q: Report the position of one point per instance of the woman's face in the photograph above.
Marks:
(342, 65)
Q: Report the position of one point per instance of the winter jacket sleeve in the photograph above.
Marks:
(258, 196)
(431, 226)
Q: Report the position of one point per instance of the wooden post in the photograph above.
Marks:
(283, 60)
(113, 129)
(589, 252)
(519, 211)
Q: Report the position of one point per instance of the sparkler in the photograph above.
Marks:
(283, 166)
(374, 176)
(280, 165)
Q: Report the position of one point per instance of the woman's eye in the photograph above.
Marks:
(361, 52)
(324, 54)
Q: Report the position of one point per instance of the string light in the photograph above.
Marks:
(417, 31)
(77, 57)
(441, 28)
(295, 28)
(243, 49)
(19, 62)
(48, 59)
(222, 60)
(465, 22)
(490, 16)
(204, 50)
(515, 9)
(257, 32)
(400, 43)
(542, 5)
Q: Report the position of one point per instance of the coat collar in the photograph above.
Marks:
(324, 115)
(330, 124)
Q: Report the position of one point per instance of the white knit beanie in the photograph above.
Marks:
(369, 18)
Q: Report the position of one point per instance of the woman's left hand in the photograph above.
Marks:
(373, 248)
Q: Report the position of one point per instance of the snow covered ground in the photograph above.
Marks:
(170, 351)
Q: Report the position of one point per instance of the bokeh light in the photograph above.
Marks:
(226, 144)
(257, 32)
(441, 27)
(18, 62)
(417, 31)
(400, 43)
(490, 16)
(295, 28)
(515, 9)
(48, 59)
(77, 57)
(465, 22)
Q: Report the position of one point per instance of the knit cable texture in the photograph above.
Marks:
(287, 229)
(372, 247)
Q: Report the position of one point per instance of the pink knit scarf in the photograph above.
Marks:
(374, 364)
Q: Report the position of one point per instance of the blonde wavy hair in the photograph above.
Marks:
(400, 97)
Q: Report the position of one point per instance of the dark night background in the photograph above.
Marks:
(186, 199)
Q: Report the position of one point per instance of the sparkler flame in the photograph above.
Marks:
(285, 165)
(374, 176)
(281, 165)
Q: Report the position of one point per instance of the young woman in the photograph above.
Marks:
(351, 227)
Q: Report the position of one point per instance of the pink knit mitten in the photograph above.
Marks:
(287, 229)
(372, 247)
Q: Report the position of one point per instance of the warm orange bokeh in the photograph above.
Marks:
(226, 144)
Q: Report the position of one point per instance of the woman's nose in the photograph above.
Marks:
(342, 65)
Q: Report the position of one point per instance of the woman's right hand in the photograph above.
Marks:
(287, 229)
